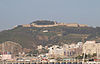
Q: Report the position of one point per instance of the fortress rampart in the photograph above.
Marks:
(60, 24)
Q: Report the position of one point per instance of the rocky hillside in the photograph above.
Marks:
(30, 37)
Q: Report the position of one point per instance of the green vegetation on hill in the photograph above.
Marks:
(30, 37)
(44, 22)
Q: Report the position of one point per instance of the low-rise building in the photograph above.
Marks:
(91, 47)
(39, 47)
(56, 51)
(65, 50)
(6, 57)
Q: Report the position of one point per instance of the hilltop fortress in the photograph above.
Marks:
(34, 24)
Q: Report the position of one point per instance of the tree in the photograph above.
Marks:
(79, 57)
(94, 54)
(89, 56)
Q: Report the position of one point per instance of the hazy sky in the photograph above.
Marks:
(15, 12)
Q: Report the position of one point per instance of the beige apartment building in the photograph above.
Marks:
(91, 47)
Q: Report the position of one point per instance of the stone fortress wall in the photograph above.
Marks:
(56, 24)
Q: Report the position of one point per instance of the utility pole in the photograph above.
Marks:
(83, 40)
(84, 54)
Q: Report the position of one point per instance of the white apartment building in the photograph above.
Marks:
(91, 47)
(65, 50)
(56, 50)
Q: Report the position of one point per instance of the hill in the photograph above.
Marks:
(30, 37)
